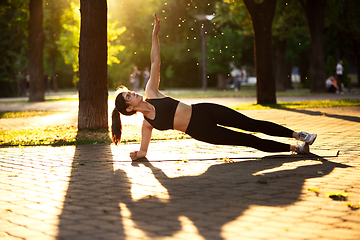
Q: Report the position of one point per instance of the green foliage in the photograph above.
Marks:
(14, 16)
(235, 13)
(232, 41)
(129, 34)
(69, 39)
(290, 25)
(330, 66)
(179, 39)
(224, 47)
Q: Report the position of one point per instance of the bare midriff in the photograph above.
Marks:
(182, 117)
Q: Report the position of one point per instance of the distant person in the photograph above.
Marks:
(237, 76)
(331, 85)
(134, 78)
(339, 74)
(202, 121)
(244, 76)
(146, 76)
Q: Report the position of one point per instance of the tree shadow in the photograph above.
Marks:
(318, 113)
(91, 206)
(224, 192)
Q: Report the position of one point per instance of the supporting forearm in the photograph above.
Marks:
(146, 132)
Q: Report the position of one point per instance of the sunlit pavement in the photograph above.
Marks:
(188, 189)
(68, 110)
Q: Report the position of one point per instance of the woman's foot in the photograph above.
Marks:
(308, 138)
(302, 148)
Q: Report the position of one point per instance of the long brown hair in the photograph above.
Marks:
(120, 107)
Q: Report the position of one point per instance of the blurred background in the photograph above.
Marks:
(218, 30)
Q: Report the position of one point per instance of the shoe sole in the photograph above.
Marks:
(306, 148)
(310, 143)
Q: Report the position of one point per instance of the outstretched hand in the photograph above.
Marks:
(156, 25)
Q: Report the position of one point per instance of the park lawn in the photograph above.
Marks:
(301, 104)
(27, 114)
(69, 135)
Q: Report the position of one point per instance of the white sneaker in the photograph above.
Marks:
(308, 138)
(302, 148)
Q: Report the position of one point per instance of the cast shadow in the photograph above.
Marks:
(224, 192)
(91, 206)
(318, 113)
(220, 195)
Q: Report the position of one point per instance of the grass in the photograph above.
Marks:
(339, 196)
(26, 114)
(66, 134)
(314, 190)
(301, 105)
(69, 135)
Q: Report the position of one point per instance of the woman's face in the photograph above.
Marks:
(132, 98)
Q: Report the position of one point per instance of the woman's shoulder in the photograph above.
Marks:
(150, 94)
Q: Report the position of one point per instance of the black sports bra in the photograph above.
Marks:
(165, 109)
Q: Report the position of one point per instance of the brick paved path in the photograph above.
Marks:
(188, 190)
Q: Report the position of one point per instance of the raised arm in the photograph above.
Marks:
(152, 87)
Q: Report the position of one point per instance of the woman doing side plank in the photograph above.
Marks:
(201, 121)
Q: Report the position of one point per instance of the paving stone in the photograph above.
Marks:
(44, 194)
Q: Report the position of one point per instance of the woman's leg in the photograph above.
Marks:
(228, 117)
(203, 126)
(223, 136)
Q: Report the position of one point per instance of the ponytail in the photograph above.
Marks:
(116, 127)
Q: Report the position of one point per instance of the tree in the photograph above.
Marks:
(315, 14)
(342, 35)
(179, 37)
(262, 15)
(290, 42)
(230, 41)
(93, 92)
(69, 39)
(53, 12)
(14, 19)
(36, 48)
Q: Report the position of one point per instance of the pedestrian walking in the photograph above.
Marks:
(339, 74)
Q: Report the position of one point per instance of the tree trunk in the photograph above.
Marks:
(357, 58)
(36, 48)
(262, 15)
(93, 93)
(281, 73)
(315, 13)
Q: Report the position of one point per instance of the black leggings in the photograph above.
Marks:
(206, 118)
